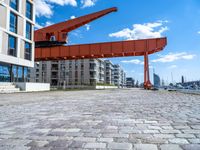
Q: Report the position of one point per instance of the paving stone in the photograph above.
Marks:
(116, 135)
(170, 147)
(194, 141)
(185, 135)
(43, 130)
(107, 140)
(170, 131)
(191, 131)
(77, 144)
(164, 136)
(191, 147)
(37, 143)
(84, 139)
(112, 127)
(155, 127)
(151, 131)
(198, 135)
(70, 120)
(95, 145)
(181, 127)
(129, 131)
(150, 122)
(178, 141)
(73, 130)
(167, 127)
(58, 144)
(145, 147)
(120, 146)
(195, 127)
(96, 135)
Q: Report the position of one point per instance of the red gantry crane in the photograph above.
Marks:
(50, 44)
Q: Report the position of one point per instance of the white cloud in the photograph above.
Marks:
(45, 7)
(48, 23)
(72, 17)
(133, 61)
(198, 32)
(172, 67)
(64, 2)
(88, 3)
(87, 27)
(171, 57)
(142, 31)
(39, 26)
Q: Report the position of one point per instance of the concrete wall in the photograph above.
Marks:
(20, 27)
(22, 45)
(3, 17)
(33, 87)
(4, 46)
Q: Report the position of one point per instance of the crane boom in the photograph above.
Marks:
(56, 34)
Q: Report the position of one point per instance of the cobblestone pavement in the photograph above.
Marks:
(104, 119)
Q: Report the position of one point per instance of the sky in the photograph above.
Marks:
(178, 20)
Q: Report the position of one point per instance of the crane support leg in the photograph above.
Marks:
(147, 82)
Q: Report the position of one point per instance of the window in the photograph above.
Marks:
(28, 52)
(14, 4)
(28, 30)
(5, 73)
(13, 22)
(29, 10)
(12, 46)
(20, 74)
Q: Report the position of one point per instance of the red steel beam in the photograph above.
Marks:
(59, 29)
(101, 50)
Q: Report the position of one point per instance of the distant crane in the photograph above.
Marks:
(50, 44)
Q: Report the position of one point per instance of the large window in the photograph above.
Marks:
(28, 30)
(28, 51)
(29, 10)
(14, 4)
(5, 73)
(13, 22)
(12, 46)
(20, 74)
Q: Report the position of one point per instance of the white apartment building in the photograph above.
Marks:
(119, 76)
(17, 19)
(109, 72)
(69, 72)
(72, 73)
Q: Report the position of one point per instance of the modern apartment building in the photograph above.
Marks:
(130, 82)
(69, 72)
(119, 76)
(72, 73)
(109, 72)
(16, 39)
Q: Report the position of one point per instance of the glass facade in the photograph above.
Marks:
(5, 73)
(29, 10)
(13, 73)
(12, 46)
(14, 4)
(28, 30)
(13, 22)
(28, 51)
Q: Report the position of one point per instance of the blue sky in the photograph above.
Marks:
(136, 19)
